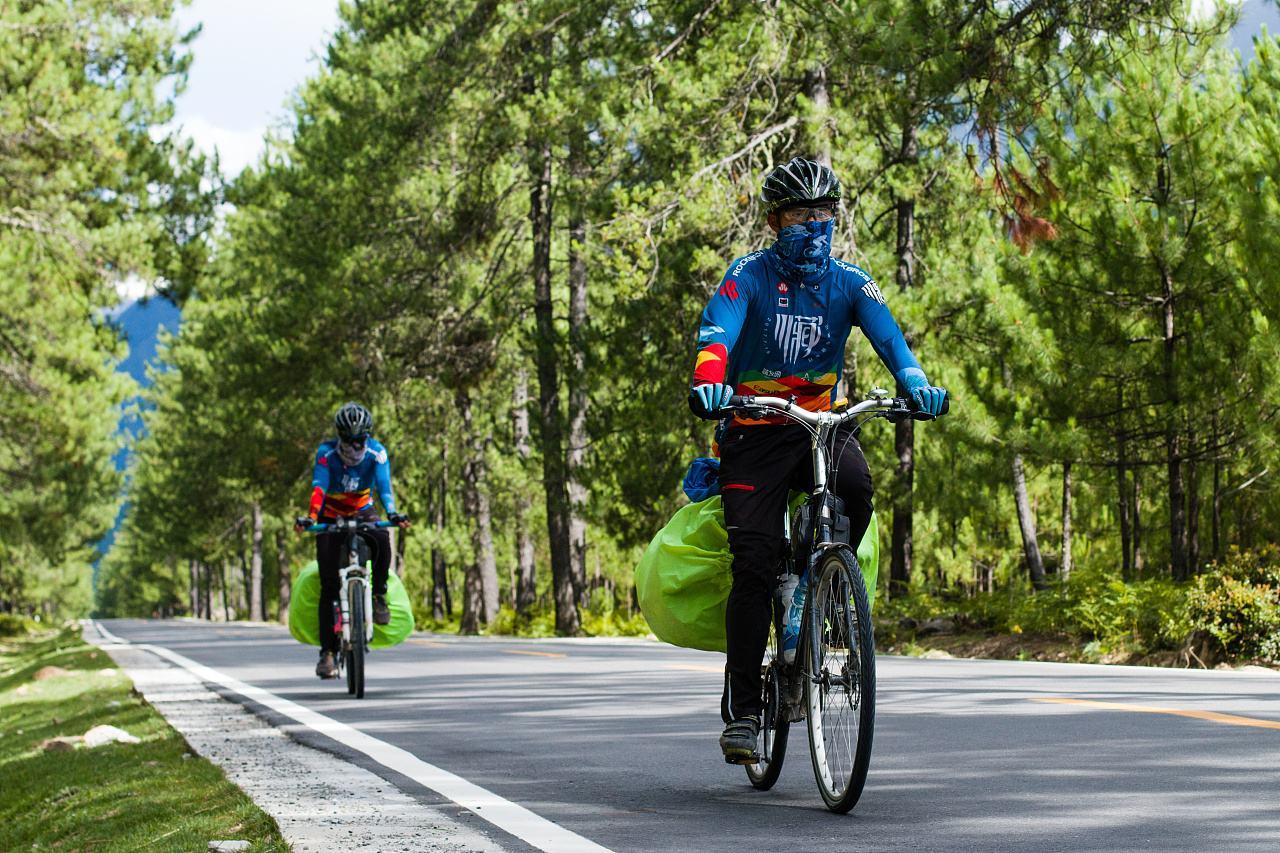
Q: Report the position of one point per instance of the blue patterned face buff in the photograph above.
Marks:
(802, 251)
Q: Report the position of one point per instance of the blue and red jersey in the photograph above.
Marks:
(768, 337)
(341, 491)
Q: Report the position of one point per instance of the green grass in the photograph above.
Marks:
(155, 795)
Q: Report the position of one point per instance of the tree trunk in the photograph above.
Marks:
(441, 602)
(1122, 493)
(901, 545)
(578, 402)
(1173, 439)
(193, 587)
(1026, 515)
(226, 603)
(480, 599)
(394, 541)
(1027, 524)
(1217, 508)
(816, 88)
(257, 608)
(526, 590)
(551, 418)
(1065, 569)
(286, 580)
(904, 431)
(1135, 513)
(399, 546)
(1193, 518)
(207, 570)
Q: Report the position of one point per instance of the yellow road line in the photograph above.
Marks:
(1211, 716)
(432, 643)
(538, 654)
(693, 667)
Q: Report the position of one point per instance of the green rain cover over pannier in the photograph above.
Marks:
(304, 610)
(683, 579)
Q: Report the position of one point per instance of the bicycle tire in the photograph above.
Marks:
(346, 664)
(775, 721)
(839, 706)
(356, 597)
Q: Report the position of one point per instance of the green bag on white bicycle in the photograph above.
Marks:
(683, 579)
(304, 610)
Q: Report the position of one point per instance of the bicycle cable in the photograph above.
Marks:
(853, 432)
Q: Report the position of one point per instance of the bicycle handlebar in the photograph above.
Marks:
(341, 526)
(893, 408)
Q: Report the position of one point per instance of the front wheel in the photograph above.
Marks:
(840, 679)
(355, 653)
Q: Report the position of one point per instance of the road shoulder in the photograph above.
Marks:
(315, 797)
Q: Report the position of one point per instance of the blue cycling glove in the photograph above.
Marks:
(928, 397)
(707, 400)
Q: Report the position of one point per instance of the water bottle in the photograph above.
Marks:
(792, 591)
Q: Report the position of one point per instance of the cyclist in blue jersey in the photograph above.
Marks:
(777, 326)
(347, 470)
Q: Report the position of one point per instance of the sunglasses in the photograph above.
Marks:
(356, 441)
(804, 214)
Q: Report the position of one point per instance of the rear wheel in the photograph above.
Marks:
(840, 679)
(355, 657)
(775, 722)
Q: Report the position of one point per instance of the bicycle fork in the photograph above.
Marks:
(353, 576)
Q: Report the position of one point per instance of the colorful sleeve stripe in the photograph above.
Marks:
(713, 362)
(317, 501)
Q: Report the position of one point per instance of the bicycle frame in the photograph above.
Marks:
(835, 654)
(822, 427)
(353, 574)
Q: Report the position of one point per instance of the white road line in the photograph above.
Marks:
(508, 816)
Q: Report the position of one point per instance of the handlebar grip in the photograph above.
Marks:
(918, 415)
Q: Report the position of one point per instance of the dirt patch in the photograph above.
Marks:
(994, 646)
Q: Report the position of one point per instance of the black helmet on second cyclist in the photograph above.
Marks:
(353, 421)
(799, 181)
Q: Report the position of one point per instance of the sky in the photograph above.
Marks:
(248, 59)
(253, 54)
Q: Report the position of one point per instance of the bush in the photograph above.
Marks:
(542, 623)
(1094, 607)
(12, 625)
(1237, 603)
(1097, 606)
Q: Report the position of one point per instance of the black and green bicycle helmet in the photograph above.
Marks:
(353, 421)
(799, 181)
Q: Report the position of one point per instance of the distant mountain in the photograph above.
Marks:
(140, 324)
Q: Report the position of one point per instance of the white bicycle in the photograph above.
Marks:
(352, 614)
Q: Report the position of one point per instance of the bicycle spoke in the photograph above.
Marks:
(839, 724)
(775, 719)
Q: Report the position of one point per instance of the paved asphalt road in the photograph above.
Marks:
(616, 741)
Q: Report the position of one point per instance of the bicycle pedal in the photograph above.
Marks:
(740, 759)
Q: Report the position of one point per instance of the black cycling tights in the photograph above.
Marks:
(331, 555)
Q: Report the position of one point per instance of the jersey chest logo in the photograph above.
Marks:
(350, 483)
(797, 336)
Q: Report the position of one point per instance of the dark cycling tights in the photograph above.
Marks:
(759, 465)
(331, 556)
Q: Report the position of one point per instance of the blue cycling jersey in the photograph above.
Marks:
(340, 490)
(766, 336)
